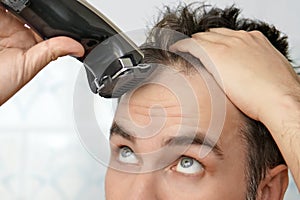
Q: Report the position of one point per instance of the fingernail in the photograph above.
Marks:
(172, 48)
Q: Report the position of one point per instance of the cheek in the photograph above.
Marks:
(169, 186)
(112, 182)
(207, 187)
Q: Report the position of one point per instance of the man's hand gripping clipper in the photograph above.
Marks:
(112, 61)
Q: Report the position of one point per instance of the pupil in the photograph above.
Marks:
(126, 152)
(186, 162)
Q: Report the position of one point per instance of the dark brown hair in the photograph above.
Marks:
(262, 152)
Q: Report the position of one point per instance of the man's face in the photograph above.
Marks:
(151, 156)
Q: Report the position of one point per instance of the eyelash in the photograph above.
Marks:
(172, 166)
(118, 148)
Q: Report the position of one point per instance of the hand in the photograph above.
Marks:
(23, 54)
(251, 71)
(257, 79)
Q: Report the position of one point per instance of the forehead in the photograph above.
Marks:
(166, 110)
(170, 96)
(174, 99)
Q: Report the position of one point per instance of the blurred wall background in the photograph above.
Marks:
(41, 156)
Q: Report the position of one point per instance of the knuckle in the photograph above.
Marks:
(236, 40)
(244, 34)
(257, 33)
(221, 48)
(199, 34)
(51, 53)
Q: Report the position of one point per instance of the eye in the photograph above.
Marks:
(187, 165)
(127, 156)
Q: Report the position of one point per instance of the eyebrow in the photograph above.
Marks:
(198, 139)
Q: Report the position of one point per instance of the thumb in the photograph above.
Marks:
(38, 56)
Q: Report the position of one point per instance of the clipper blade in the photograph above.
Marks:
(129, 80)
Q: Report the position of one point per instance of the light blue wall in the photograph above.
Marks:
(41, 156)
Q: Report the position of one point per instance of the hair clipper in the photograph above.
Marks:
(112, 61)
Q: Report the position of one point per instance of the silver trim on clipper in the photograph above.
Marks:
(138, 71)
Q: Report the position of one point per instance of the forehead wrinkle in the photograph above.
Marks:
(147, 105)
(158, 112)
(174, 110)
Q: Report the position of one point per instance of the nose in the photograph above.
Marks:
(142, 187)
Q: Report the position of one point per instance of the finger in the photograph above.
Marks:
(224, 31)
(41, 54)
(197, 48)
(188, 45)
(36, 36)
(213, 38)
(200, 50)
(242, 34)
(9, 24)
(237, 33)
(246, 36)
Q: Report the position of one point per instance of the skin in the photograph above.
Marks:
(168, 183)
(23, 55)
(272, 98)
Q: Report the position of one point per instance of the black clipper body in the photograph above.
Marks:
(112, 61)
